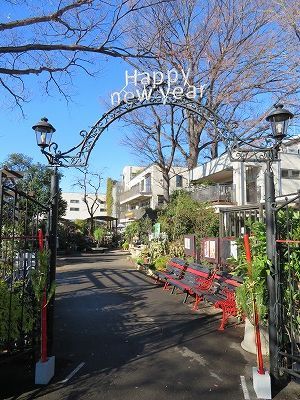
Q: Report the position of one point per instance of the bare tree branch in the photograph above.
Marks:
(154, 139)
(230, 47)
(90, 183)
(49, 36)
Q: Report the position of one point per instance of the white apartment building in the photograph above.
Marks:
(142, 187)
(242, 183)
(220, 181)
(77, 209)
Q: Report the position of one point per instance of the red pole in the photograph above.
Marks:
(260, 362)
(44, 328)
(44, 309)
(40, 239)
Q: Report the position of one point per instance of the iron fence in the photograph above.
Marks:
(218, 193)
(233, 221)
(20, 218)
(288, 287)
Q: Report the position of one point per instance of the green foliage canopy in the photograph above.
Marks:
(255, 280)
(99, 233)
(36, 179)
(139, 229)
(183, 215)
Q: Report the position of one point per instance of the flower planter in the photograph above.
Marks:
(248, 344)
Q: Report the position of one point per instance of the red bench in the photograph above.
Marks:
(222, 296)
(217, 288)
(195, 276)
(175, 268)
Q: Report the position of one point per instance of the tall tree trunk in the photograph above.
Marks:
(92, 225)
(214, 150)
(195, 129)
(166, 186)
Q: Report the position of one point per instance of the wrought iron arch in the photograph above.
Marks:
(79, 155)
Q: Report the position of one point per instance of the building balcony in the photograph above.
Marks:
(219, 193)
(135, 193)
(132, 214)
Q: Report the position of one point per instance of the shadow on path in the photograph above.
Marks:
(136, 340)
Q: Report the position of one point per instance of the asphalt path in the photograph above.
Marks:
(119, 336)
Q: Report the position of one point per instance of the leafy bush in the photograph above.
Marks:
(125, 245)
(183, 215)
(138, 229)
(72, 237)
(254, 286)
(290, 259)
(99, 234)
(39, 277)
(160, 262)
(10, 313)
(145, 255)
(139, 260)
(176, 249)
(158, 249)
(16, 312)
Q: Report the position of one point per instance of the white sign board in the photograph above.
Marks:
(187, 243)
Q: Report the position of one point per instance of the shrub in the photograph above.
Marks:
(254, 286)
(138, 229)
(160, 262)
(16, 312)
(99, 234)
(183, 215)
(176, 249)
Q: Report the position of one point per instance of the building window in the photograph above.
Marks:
(74, 209)
(179, 180)
(295, 174)
(102, 209)
(148, 183)
(74, 201)
(252, 195)
(290, 174)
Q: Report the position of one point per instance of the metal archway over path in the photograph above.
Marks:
(79, 155)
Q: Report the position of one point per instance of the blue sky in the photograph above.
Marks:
(89, 95)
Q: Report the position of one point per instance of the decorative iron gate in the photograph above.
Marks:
(287, 277)
(20, 218)
(288, 285)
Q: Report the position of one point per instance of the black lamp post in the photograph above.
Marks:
(44, 130)
(279, 120)
(77, 156)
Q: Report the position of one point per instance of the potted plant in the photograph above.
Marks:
(254, 287)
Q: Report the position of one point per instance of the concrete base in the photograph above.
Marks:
(262, 384)
(44, 372)
(248, 343)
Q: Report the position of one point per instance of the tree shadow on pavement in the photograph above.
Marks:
(122, 326)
